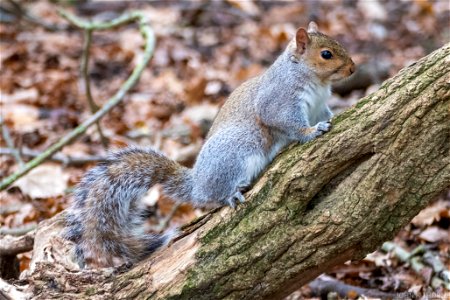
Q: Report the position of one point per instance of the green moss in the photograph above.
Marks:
(343, 116)
(349, 112)
(90, 291)
(362, 102)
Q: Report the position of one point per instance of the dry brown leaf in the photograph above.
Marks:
(26, 214)
(431, 213)
(373, 10)
(435, 234)
(195, 90)
(22, 116)
(248, 72)
(200, 113)
(168, 81)
(213, 87)
(248, 6)
(379, 258)
(25, 95)
(46, 180)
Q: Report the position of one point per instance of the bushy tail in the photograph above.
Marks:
(106, 217)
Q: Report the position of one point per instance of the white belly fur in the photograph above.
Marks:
(254, 165)
(315, 97)
(257, 162)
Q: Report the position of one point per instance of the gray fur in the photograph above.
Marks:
(281, 101)
(285, 104)
(106, 211)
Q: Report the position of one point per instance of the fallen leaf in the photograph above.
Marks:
(195, 90)
(47, 180)
(21, 115)
(434, 234)
(24, 95)
(373, 10)
(379, 258)
(248, 7)
(431, 214)
(200, 113)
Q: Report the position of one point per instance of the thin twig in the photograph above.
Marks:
(18, 230)
(149, 38)
(20, 12)
(95, 25)
(10, 143)
(66, 160)
(87, 84)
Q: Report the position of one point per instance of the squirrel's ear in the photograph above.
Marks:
(301, 40)
(312, 27)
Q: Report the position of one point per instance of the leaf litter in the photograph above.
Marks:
(204, 51)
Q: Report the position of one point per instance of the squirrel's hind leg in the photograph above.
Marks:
(234, 198)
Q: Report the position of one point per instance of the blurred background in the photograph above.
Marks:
(204, 50)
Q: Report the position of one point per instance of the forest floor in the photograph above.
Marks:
(203, 52)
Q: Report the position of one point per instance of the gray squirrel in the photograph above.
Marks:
(285, 104)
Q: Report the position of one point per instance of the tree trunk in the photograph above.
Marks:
(317, 205)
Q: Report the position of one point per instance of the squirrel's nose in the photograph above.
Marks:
(352, 68)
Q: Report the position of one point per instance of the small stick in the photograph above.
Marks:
(10, 143)
(17, 231)
(87, 84)
(57, 157)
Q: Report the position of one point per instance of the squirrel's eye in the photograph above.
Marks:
(326, 54)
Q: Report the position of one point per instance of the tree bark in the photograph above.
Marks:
(317, 205)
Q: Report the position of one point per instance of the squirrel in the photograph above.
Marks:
(285, 104)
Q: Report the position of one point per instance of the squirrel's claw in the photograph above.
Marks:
(323, 126)
(236, 197)
(239, 197)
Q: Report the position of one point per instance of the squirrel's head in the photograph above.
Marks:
(322, 54)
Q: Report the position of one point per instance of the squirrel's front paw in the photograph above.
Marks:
(323, 127)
